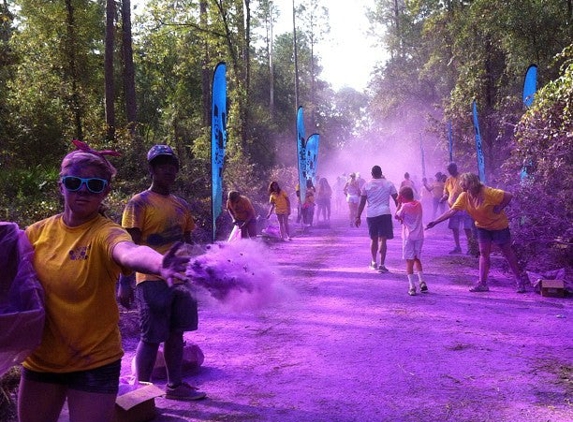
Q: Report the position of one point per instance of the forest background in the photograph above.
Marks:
(89, 70)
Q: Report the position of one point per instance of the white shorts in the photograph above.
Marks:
(412, 249)
(352, 199)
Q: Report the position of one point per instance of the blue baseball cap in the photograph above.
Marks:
(161, 151)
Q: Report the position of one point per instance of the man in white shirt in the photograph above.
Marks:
(377, 192)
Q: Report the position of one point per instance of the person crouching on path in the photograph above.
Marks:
(409, 213)
(280, 204)
(243, 214)
(486, 206)
(78, 256)
(377, 192)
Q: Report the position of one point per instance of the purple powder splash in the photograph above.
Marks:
(240, 275)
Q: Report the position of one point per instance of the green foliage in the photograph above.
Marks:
(8, 389)
(543, 208)
(28, 195)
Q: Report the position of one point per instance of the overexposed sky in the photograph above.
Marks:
(348, 56)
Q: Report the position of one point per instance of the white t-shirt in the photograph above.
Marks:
(378, 193)
(412, 227)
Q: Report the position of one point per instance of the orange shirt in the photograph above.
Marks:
(242, 210)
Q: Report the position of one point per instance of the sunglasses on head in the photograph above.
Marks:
(74, 184)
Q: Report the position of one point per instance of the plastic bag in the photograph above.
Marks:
(235, 234)
(21, 298)
(272, 229)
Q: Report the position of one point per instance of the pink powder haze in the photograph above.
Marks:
(240, 275)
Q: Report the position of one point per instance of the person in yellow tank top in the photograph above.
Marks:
(486, 206)
(78, 256)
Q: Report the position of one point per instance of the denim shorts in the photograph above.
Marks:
(461, 218)
(499, 237)
(103, 380)
(164, 309)
(380, 226)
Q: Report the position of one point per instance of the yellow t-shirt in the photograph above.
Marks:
(452, 189)
(162, 219)
(482, 212)
(79, 275)
(281, 202)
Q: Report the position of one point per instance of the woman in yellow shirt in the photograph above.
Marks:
(486, 206)
(78, 256)
(280, 203)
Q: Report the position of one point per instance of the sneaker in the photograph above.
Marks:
(479, 288)
(373, 266)
(423, 287)
(456, 250)
(412, 291)
(184, 391)
(382, 269)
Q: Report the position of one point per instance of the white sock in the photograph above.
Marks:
(420, 276)
(412, 281)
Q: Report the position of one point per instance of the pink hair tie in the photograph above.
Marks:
(82, 146)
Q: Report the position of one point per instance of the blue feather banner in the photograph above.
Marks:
(479, 149)
(301, 150)
(218, 140)
(450, 142)
(529, 85)
(312, 144)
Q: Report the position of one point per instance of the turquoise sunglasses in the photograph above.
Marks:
(74, 184)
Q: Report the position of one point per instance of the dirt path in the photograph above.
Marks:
(351, 345)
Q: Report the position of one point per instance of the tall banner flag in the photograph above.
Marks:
(529, 85)
(450, 142)
(529, 89)
(218, 140)
(423, 157)
(301, 150)
(479, 149)
(312, 155)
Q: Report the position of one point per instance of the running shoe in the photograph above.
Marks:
(184, 392)
(479, 288)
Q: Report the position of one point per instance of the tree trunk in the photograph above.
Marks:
(108, 70)
(73, 69)
(128, 68)
(206, 72)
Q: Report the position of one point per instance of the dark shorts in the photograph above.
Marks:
(461, 218)
(164, 309)
(499, 237)
(103, 380)
(380, 226)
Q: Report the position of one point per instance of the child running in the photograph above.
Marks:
(409, 213)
